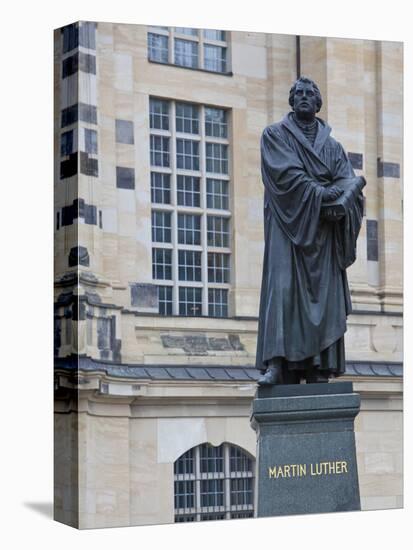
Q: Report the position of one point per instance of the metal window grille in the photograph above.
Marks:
(161, 227)
(218, 302)
(160, 188)
(208, 488)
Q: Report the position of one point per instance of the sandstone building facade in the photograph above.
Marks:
(158, 257)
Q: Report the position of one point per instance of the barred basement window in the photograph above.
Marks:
(188, 47)
(213, 483)
(183, 195)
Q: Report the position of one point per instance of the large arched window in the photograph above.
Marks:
(214, 483)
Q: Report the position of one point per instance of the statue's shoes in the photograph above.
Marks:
(272, 376)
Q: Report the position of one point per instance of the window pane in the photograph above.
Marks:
(218, 302)
(124, 131)
(241, 491)
(187, 31)
(66, 143)
(189, 265)
(165, 300)
(159, 151)
(158, 47)
(161, 227)
(189, 229)
(218, 231)
(218, 268)
(186, 53)
(213, 34)
(190, 301)
(91, 141)
(212, 459)
(185, 463)
(162, 263)
(215, 58)
(187, 154)
(159, 114)
(187, 118)
(217, 194)
(217, 158)
(160, 188)
(188, 191)
(184, 494)
(212, 492)
(216, 122)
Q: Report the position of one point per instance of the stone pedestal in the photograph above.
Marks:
(306, 453)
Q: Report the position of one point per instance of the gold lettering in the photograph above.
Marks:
(338, 467)
(303, 470)
(272, 472)
(332, 467)
(280, 472)
(287, 470)
(294, 469)
(344, 465)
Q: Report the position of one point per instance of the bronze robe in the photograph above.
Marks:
(305, 297)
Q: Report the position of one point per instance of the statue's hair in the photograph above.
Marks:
(307, 81)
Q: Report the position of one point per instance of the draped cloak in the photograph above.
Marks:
(305, 297)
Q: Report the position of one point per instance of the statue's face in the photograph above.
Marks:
(305, 101)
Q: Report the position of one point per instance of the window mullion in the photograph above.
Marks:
(227, 482)
(198, 483)
(171, 46)
(204, 242)
(172, 125)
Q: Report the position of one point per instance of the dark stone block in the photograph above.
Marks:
(356, 160)
(144, 295)
(195, 345)
(87, 63)
(79, 256)
(69, 115)
(172, 341)
(88, 113)
(124, 131)
(372, 240)
(79, 209)
(68, 168)
(306, 455)
(235, 342)
(219, 344)
(70, 35)
(90, 214)
(78, 310)
(388, 169)
(93, 298)
(70, 65)
(88, 165)
(57, 334)
(125, 178)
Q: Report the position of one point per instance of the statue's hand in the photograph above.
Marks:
(331, 193)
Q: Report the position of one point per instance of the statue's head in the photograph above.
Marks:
(305, 98)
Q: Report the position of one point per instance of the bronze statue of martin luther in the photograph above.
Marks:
(313, 208)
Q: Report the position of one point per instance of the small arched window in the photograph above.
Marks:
(214, 483)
